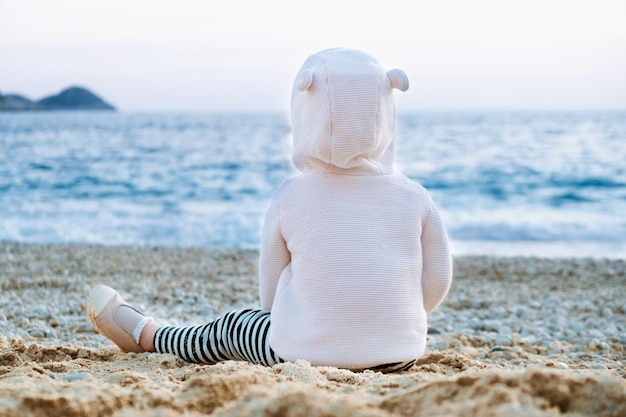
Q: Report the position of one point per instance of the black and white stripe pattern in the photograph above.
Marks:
(238, 335)
(241, 335)
(392, 367)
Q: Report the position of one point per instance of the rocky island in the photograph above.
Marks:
(72, 98)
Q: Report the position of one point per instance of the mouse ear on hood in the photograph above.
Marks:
(398, 79)
(304, 81)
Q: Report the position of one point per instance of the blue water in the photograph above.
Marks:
(551, 184)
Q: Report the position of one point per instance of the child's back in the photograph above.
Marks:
(354, 254)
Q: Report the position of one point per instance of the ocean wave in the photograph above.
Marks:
(205, 179)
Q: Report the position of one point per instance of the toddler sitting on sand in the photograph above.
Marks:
(353, 254)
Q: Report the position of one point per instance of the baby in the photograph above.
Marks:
(353, 254)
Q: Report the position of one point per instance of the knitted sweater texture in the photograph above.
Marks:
(354, 255)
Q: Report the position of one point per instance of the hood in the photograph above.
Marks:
(343, 113)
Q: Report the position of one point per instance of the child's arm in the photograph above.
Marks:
(274, 256)
(437, 261)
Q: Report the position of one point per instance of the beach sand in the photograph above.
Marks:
(515, 337)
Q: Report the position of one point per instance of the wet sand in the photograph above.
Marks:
(515, 337)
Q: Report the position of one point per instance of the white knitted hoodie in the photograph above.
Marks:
(353, 254)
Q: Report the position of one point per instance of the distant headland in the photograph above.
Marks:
(72, 98)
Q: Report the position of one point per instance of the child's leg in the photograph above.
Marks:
(393, 367)
(238, 335)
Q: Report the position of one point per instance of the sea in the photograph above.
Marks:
(549, 184)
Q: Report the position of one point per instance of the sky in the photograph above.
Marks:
(205, 55)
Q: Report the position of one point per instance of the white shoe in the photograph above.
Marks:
(115, 319)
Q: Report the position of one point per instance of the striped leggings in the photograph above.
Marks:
(238, 335)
